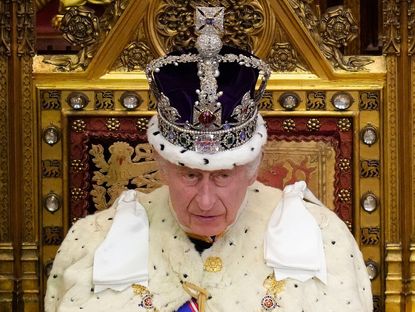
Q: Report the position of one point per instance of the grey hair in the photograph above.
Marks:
(253, 166)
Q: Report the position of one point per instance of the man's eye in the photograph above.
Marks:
(190, 177)
(222, 178)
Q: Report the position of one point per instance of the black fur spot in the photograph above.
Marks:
(206, 161)
(162, 147)
(156, 133)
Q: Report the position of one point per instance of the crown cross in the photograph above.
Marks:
(207, 112)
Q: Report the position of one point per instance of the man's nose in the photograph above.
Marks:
(206, 194)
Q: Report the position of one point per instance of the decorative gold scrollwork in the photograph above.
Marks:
(5, 29)
(174, 22)
(338, 27)
(283, 58)
(136, 56)
(80, 26)
(391, 25)
(25, 28)
(333, 31)
(411, 28)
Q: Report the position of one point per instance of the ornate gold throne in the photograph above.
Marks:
(325, 113)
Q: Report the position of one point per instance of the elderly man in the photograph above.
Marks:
(211, 239)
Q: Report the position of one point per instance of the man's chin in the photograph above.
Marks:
(207, 230)
(207, 226)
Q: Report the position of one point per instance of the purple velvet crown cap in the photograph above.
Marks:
(180, 82)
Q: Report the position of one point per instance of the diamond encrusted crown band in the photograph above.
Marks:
(206, 130)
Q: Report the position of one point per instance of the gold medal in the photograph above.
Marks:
(213, 264)
(273, 287)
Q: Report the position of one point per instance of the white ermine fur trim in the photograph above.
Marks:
(222, 160)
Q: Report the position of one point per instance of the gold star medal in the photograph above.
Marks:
(274, 287)
(146, 297)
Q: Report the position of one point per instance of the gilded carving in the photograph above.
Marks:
(51, 168)
(50, 99)
(370, 235)
(391, 27)
(369, 168)
(174, 22)
(80, 26)
(369, 100)
(316, 100)
(331, 32)
(338, 27)
(25, 28)
(411, 28)
(5, 29)
(413, 158)
(284, 58)
(391, 154)
(104, 100)
(134, 57)
(4, 138)
(52, 235)
(28, 150)
(113, 175)
(265, 104)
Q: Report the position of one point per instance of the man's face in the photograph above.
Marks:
(206, 202)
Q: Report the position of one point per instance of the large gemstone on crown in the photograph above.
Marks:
(206, 118)
(206, 144)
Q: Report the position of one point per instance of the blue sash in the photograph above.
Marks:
(189, 306)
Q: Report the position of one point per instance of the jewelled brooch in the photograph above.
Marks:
(270, 302)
